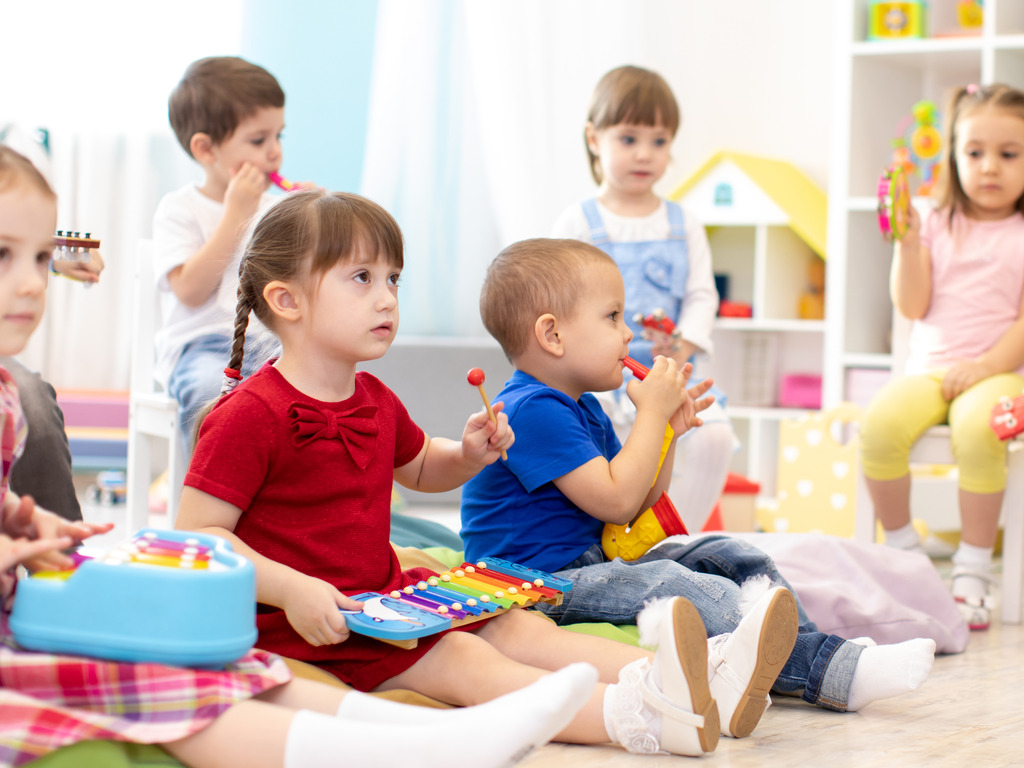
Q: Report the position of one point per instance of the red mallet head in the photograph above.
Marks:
(475, 377)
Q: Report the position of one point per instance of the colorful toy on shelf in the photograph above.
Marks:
(970, 14)
(171, 597)
(897, 20)
(811, 305)
(476, 378)
(917, 145)
(893, 202)
(454, 598)
(1008, 417)
(658, 325)
(73, 246)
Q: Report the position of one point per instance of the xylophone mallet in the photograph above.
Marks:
(476, 378)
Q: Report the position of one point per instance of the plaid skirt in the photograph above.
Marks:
(48, 701)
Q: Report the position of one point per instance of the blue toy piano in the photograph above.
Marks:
(172, 597)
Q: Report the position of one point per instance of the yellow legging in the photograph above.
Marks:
(908, 406)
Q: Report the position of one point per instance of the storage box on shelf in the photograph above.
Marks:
(766, 224)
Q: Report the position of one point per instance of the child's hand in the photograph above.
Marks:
(962, 376)
(82, 271)
(693, 403)
(912, 237)
(312, 610)
(482, 440)
(15, 551)
(247, 185)
(22, 519)
(662, 390)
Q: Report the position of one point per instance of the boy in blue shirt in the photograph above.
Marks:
(555, 306)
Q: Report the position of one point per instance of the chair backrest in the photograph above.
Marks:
(145, 320)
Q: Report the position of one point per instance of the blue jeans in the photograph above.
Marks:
(199, 373)
(708, 571)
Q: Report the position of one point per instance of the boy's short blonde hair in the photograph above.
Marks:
(15, 169)
(216, 94)
(532, 278)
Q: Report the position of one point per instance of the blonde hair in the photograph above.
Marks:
(216, 94)
(949, 192)
(630, 95)
(15, 168)
(532, 278)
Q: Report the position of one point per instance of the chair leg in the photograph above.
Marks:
(137, 482)
(1013, 539)
(177, 465)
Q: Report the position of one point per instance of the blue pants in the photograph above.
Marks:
(199, 373)
(708, 571)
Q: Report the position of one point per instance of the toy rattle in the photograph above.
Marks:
(476, 378)
(279, 180)
(893, 202)
(73, 245)
(1007, 419)
(658, 323)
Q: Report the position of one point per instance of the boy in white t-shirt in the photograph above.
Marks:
(228, 114)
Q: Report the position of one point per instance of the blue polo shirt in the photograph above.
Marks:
(512, 509)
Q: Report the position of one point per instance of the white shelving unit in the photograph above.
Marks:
(762, 217)
(876, 82)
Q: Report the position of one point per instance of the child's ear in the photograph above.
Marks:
(545, 330)
(591, 136)
(201, 146)
(280, 297)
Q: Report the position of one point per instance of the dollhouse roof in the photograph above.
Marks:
(733, 188)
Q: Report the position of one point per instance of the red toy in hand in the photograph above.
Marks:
(476, 378)
(658, 324)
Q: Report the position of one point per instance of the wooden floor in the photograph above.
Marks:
(970, 712)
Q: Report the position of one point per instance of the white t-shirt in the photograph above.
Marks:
(184, 220)
(700, 303)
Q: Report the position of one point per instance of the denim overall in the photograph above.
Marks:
(654, 272)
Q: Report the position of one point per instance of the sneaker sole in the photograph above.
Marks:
(778, 635)
(692, 650)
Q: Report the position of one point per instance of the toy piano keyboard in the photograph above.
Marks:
(453, 599)
(172, 597)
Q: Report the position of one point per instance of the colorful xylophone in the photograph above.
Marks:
(452, 599)
(172, 597)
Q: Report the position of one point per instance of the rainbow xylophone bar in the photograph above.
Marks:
(461, 596)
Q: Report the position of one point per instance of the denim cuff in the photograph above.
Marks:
(831, 673)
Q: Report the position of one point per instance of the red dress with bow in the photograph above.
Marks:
(313, 481)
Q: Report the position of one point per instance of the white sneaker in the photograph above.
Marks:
(743, 664)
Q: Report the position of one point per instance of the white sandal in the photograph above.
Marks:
(976, 611)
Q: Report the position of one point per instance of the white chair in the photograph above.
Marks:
(153, 414)
(934, 448)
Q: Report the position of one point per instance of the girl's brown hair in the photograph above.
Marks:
(630, 95)
(949, 192)
(300, 239)
(15, 168)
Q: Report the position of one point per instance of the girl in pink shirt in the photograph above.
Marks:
(959, 277)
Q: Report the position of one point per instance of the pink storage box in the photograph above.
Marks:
(800, 390)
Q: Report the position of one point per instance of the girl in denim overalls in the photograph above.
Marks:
(664, 258)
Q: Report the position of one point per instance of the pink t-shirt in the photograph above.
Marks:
(977, 280)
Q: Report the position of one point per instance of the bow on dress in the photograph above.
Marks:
(356, 428)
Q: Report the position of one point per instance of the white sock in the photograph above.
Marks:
(529, 718)
(906, 537)
(889, 670)
(570, 686)
(699, 473)
(628, 722)
(972, 566)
